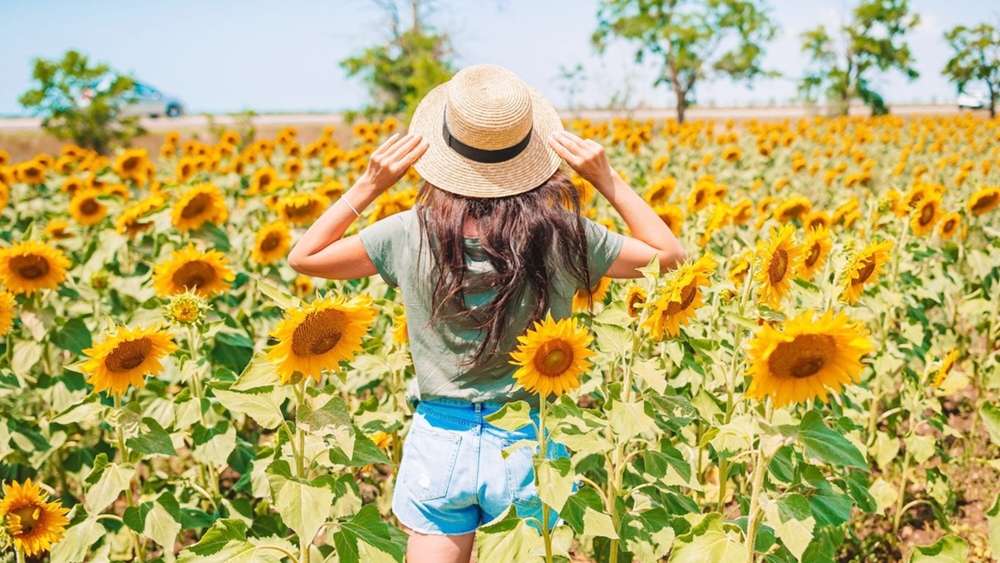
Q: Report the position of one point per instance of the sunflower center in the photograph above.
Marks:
(33, 172)
(270, 242)
(265, 181)
(949, 225)
(813, 255)
(194, 274)
(30, 267)
(687, 296)
(779, 265)
(554, 358)
(864, 272)
(89, 206)
(129, 355)
(985, 202)
(130, 163)
(803, 357)
(319, 332)
(926, 214)
(196, 206)
(301, 210)
(795, 210)
(28, 517)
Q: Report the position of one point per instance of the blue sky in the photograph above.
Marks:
(233, 55)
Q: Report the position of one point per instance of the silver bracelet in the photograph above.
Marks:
(344, 199)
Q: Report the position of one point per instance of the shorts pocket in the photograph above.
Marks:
(428, 464)
(520, 469)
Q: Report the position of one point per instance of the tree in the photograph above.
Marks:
(693, 40)
(67, 113)
(872, 41)
(401, 71)
(977, 58)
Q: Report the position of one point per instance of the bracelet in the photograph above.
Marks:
(344, 199)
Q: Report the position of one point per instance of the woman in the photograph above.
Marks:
(489, 249)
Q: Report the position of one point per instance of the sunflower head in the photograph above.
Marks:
(864, 269)
(677, 302)
(272, 243)
(947, 364)
(125, 357)
(201, 204)
(33, 523)
(186, 309)
(303, 286)
(85, 207)
(635, 300)
(31, 266)
(207, 273)
(983, 200)
(806, 359)
(949, 225)
(319, 335)
(780, 256)
(552, 356)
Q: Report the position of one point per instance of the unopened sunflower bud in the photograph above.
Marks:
(186, 309)
(99, 280)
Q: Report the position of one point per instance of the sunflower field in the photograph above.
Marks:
(818, 383)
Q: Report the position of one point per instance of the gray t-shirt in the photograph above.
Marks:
(440, 350)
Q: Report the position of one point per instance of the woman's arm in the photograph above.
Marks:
(650, 235)
(322, 251)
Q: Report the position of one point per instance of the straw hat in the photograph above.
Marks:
(487, 133)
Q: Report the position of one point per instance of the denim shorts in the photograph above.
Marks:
(453, 477)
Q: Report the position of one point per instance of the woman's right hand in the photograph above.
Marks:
(389, 163)
(586, 157)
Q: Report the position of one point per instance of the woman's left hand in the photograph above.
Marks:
(587, 157)
(390, 161)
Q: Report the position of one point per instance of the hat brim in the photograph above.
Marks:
(446, 169)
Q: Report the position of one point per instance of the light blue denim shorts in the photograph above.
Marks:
(453, 477)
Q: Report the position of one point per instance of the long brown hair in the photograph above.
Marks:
(520, 235)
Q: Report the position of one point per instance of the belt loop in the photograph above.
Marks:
(479, 407)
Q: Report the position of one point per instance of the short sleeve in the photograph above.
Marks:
(603, 247)
(386, 242)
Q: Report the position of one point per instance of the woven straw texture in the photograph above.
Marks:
(488, 107)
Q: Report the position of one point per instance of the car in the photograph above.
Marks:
(143, 100)
(972, 100)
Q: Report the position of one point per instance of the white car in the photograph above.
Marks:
(972, 100)
(143, 99)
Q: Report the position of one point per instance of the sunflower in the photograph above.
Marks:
(780, 257)
(792, 208)
(207, 273)
(816, 248)
(949, 225)
(262, 180)
(126, 357)
(582, 299)
(660, 191)
(57, 229)
(302, 209)
(983, 200)
(31, 266)
(319, 335)
(131, 165)
(806, 359)
(4, 157)
(31, 172)
(6, 312)
(946, 366)
(552, 356)
(332, 190)
(925, 215)
(635, 300)
(302, 285)
(185, 169)
(672, 215)
(742, 212)
(732, 154)
(399, 330)
(199, 205)
(390, 204)
(700, 196)
(864, 268)
(4, 195)
(33, 523)
(130, 221)
(230, 137)
(273, 241)
(676, 303)
(85, 209)
(186, 308)
(816, 219)
(293, 167)
(739, 268)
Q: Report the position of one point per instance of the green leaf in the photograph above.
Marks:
(508, 540)
(112, 482)
(511, 416)
(596, 523)
(222, 532)
(652, 374)
(213, 445)
(163, 523)
(826, 445)
(555, 482)
(27, 354)
(993, 518)
(73, 336)
(90, 409)
(629, 419)
(365, 453)
(991, 419)
(135, 516)
(709, 541)
(73, 547)
(792, 521)
(154, 441)
(921, 448)
(262, 404)
(949, 549)
(367, 526)
(281, 298)
(576, 507)
(303, 508)
(332, 419)
(613, 339)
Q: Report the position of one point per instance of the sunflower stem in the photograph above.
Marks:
(299, 434)
(759, 469)
(136, 541)
(542, 446)
(194, 347)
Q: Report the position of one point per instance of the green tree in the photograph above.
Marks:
(872, 42)
(67, 115)
(977, 58)
(399, 72)
(692, 40)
